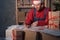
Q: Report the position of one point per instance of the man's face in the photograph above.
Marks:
(37, 6)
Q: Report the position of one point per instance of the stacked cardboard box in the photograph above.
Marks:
(54, 20)
(30, 35)
(18, 35)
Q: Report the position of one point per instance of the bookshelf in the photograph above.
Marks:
(24, 3)
(22, 7)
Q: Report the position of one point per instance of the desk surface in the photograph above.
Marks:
(47, 31)
(51, 32)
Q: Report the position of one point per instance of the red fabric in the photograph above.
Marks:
(40, 14)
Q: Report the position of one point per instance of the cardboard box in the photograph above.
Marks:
(18, 35)
(54, 20)
(30, 35)
(23, 35)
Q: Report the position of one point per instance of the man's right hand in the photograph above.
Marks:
(26, 26)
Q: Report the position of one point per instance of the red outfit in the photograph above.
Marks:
(39, 14)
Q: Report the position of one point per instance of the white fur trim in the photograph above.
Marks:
(36, 2)
(32, 5)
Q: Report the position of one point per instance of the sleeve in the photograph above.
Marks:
(47, 16)
(29, 17)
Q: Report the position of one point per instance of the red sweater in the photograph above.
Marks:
(40, 14)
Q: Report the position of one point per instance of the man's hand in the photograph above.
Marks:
(34, 24)
(26, 26)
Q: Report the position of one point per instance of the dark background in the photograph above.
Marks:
(7, 15)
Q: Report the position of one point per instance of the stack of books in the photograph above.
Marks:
(54, 20)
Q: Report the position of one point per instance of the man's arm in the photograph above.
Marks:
(29, 18)
(34, 24)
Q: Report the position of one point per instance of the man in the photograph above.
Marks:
(37, 16)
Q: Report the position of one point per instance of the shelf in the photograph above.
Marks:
(21, 22)
(25, 7)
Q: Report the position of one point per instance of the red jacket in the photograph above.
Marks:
(40, 14)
